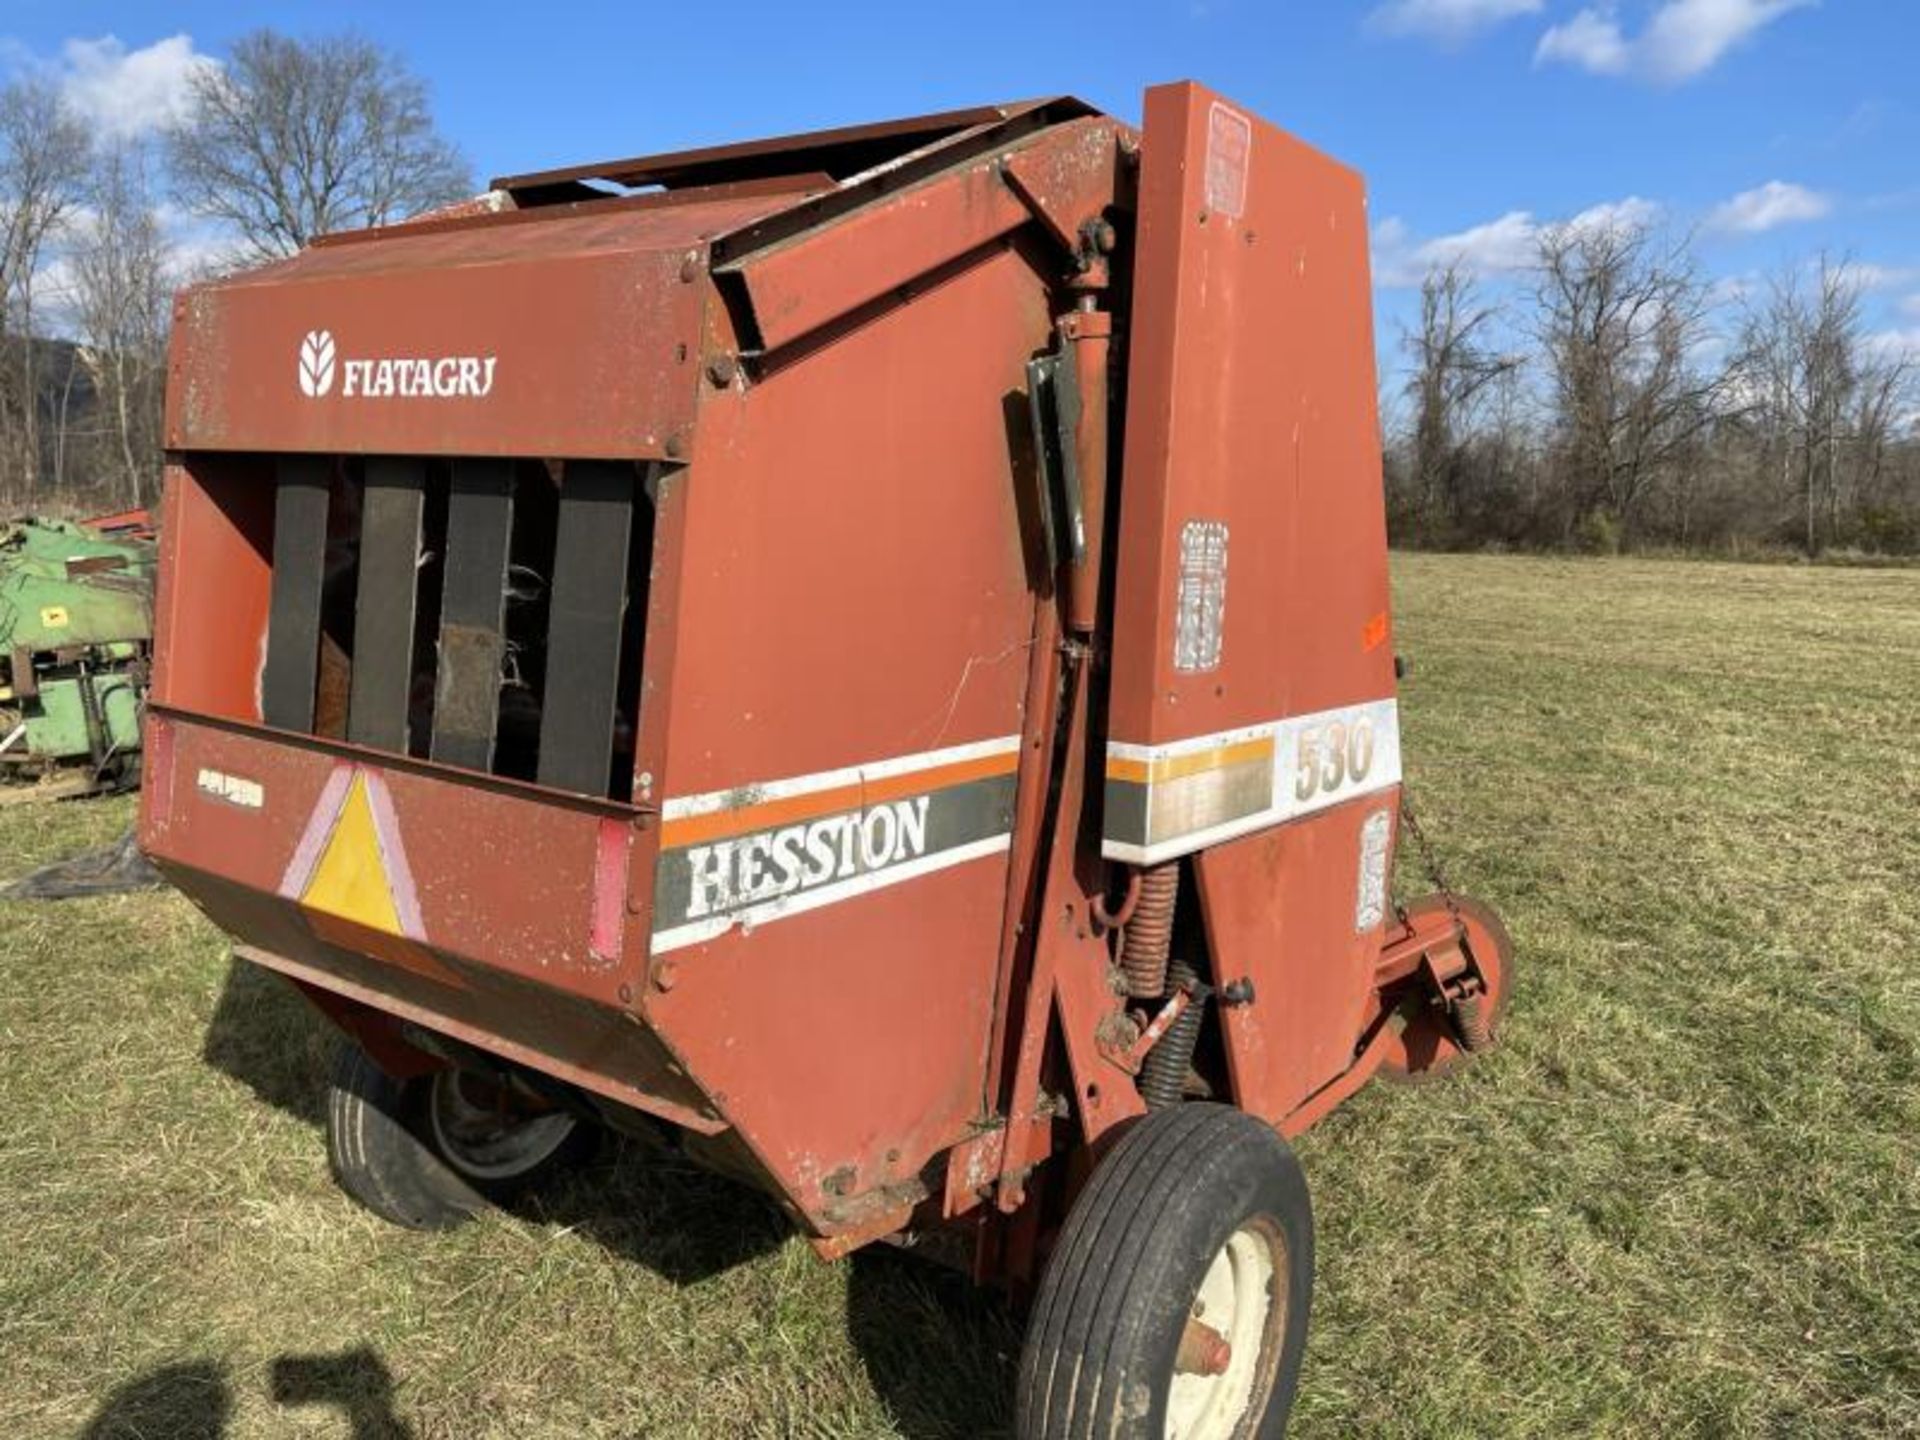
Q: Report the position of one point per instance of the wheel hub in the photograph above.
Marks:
(1231, 1343)
(493, 1131)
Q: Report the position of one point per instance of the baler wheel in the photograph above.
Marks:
(1436, 1042)
(1175, 1303)
(434, 1150)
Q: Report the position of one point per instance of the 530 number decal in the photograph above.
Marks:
(1331, 756)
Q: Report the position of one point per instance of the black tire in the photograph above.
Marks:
(1123, 1280)
(387, 1150)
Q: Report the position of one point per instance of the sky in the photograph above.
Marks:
(1768, 130)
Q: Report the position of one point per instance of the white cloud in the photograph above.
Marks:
(1498, 247)
(1911, 306)
(1898, 346)
(195, 249)
(1502, 246)
(1448, 21)
(1688, 37)
(1684, 38)
(126, 93)
(1869, 276)
(1632, 213)
(1591, 40)
(1769, 206)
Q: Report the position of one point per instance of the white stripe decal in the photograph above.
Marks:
(1121, 750)
(801, 901)
(682, 806)
(1320, 760)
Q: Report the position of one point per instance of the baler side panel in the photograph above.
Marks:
(845, 570)
(1252, 720)
(1252, 402)
(1279, 907)
(216, 519)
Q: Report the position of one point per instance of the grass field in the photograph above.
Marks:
(1682, 1199)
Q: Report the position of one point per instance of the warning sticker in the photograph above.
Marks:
(350, 876)
(1229, 145)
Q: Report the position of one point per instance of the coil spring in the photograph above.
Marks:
(1470, 1021)
(1163, 1074)
(1149, 933)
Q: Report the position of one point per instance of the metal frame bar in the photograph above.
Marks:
(584, 624)
(287, 680)
(386, 603)
(473, 607)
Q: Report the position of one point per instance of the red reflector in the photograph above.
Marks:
(609, 890)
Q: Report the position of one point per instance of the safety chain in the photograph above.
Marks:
(1429, 858)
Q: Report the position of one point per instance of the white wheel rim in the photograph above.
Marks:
(1243, 1297)
(484, 1143)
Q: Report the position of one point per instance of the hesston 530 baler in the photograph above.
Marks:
(867, 652)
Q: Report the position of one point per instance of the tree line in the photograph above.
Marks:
(1619, 399)
(285, 140)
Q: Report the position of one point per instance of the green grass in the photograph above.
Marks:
(1683, 1198)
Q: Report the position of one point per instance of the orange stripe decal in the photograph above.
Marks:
(1174, 767)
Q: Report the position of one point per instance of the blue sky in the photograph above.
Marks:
(1771, 129)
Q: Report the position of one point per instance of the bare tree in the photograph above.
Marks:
(122, 274)
(1620, 322)
(1453, 370)
(43, 158)
(1825, 404)
(294, 138)
(1620, 424)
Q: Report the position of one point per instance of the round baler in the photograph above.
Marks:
(865, 655)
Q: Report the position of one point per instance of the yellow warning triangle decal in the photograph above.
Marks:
(350, 880)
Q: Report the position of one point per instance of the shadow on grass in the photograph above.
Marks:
(650, 1206)
(270, 1039)
(354, 1382)
(644, 1204)
(185, 1402)
(941, 1351)
(654, 1208)
(193, 1400)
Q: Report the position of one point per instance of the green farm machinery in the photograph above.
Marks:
(76, 635)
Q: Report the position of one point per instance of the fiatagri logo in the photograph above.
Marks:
(389, 377)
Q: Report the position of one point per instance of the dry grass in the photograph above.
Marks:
(1683, 1199)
